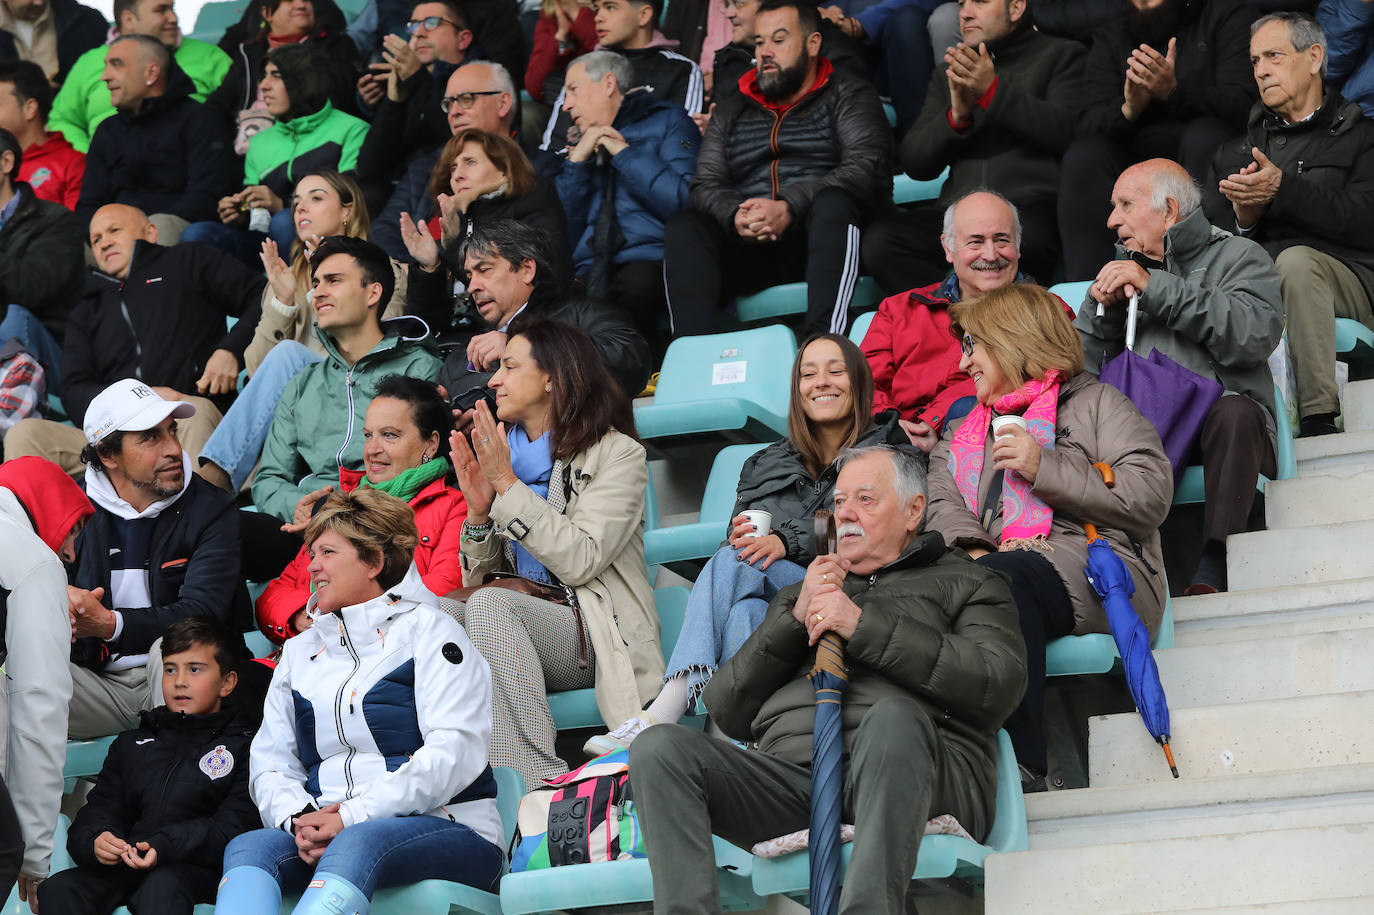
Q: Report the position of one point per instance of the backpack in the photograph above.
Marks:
(23, 385)
(586, 815)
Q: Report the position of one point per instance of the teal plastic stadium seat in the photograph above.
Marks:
(556, 889)
(1073, 294)
(61, 861)
(733, 383)
(788, 299)
(701, 539)
(258, 644)
(1354, 341)
(890, 113)
(906, 189)
(84, 759)
(860, 328)
(351, 8)
(576, 708)
(941, 857)
(215, 18)
(1096, 652)
(1191, 489)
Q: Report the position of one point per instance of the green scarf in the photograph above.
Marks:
(406, 484)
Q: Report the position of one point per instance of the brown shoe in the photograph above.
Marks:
(1199, 587)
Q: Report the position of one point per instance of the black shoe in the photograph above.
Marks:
(1317, 424)
(1032, 782)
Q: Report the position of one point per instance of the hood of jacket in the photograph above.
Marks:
(52, 499)
(54, 145)
(395, 331)
(749, 86)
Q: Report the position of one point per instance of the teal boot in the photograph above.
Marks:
(331, 895)
(247, 891)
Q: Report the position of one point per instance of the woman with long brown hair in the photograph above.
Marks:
(557, 595)
(831, 409)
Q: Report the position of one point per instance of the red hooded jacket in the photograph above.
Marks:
(439, 513)
(54, 170)
(53, 500)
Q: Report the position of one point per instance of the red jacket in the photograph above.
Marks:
(545, 58)
(439, 513)
(914, 358)
(54, 170)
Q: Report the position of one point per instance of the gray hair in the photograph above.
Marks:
(948, 229)
(1303, 30)
(1178, 185)
(599, 63)
(909, 470)
(151, 50)
(500, 77)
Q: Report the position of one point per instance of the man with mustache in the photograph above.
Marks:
(1169, 79)
(162, 545)
(915, 359)
(936, 663)
(790, 172)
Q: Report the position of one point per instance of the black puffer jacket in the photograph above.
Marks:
(777, 481)
(735, 60)
(38, 246)
(178, 782)
(1212, 68)
(1326, 197)
(934, 626)
(835, 136)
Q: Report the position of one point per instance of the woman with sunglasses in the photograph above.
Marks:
(1015, 481)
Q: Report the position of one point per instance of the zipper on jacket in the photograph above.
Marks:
(347, 643)
(348, 435)
(773, 143)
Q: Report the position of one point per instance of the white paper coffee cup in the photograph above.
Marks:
(1000, 423)
(760, 519)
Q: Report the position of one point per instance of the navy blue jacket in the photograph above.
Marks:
(79, 28)
(653, 180)
(1349, 27)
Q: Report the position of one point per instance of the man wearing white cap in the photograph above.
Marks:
(163, 544)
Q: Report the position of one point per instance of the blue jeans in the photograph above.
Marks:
(727, 604)
(237, 441)
(38, 340)
(244, 244)
(907, 61)
(393, 851)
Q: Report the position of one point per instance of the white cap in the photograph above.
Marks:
(129, 405)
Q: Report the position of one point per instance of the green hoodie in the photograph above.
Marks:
(84, 101)
(318, 426)
(327, 138)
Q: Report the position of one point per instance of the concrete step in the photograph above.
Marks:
(1318, 499)
(1182, 809)
(1344, 454)
(1322, 553)
(1308, 732)
(1279, 612)
(1355, 905)
(1322, 663)
(1203, 873)
(1357, 405)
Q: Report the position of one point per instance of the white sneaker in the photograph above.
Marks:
(620, 738)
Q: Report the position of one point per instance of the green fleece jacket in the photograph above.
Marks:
(318, 426)
(84, 101)
(327, 138)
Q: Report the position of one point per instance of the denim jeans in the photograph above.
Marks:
(237, 442)
(392, 851)
(726, 605)
(38, 340)
(245, 244)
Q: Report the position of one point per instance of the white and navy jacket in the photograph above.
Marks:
(383, 708)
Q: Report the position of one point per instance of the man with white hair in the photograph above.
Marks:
(915, 359)
(1300, 181)
(936, 663)
(1210, 301)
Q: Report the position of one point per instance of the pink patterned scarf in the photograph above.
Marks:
(1026, 518)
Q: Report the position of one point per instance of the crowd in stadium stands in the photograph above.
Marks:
(358, 310)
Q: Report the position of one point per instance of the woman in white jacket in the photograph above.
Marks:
(370, 769)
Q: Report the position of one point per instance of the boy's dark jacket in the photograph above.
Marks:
(154, 787)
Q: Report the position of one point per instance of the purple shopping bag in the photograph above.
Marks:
(1174, 399)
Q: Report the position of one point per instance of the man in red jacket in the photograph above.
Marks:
(51, 166)
(915, 358)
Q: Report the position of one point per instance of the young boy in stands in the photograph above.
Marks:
(171, 794)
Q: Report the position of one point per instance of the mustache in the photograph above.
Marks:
(997, 263)
(850, 527)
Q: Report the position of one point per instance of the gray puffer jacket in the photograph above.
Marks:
(933, 626)
(1215, 309)
(775, 480)
(1095, 422)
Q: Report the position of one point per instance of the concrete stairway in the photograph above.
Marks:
(1271, 692)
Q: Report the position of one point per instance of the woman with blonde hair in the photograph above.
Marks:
(1017, 499)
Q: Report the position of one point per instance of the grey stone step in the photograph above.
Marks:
(1343, 454)
(1322, 553)
(1318, 499)
(1308, 732)
(1279, 612)
(1357, 405)
(1273, 668)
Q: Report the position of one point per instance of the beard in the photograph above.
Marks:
(1155, 27)
(787, 81)
(155, 486)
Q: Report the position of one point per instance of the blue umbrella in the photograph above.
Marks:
(829, 678)
(1112, 580)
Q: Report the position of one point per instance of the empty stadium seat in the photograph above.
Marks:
(1072, 293)
(84, 759)
(683, 543)
(942, 857)
(860, 328)
(1095, 653)
(60, 861)
(906, 189)
(735, 385)
(215, 18)
(787, 299)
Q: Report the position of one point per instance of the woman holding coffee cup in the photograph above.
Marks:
(1014, 482)
(770, 540)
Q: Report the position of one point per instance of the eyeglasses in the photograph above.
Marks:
(966, 344)
(465, 100)
(430, 23)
